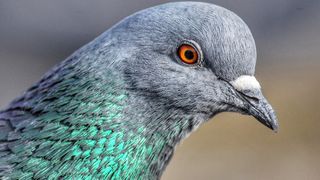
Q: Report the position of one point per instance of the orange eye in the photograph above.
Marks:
(188, 54)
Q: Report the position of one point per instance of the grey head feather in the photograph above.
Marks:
(226, 41)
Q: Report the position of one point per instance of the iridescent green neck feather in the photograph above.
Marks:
(87, 125)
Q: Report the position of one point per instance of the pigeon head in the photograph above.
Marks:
(196, 57)
(117, 107)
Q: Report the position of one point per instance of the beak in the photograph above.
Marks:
(258, 107)
(248, 89)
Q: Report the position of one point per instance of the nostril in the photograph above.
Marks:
(250, 97)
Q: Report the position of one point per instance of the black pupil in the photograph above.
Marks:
(189, 54)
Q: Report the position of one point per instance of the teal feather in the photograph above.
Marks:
(72, 132)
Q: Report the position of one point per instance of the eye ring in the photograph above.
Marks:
(189, 53)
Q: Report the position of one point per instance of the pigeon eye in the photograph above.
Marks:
(188, 54)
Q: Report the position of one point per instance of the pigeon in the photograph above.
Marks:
(117, 107)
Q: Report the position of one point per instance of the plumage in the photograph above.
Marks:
(117, 107)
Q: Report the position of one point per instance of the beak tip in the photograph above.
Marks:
(275, 127)
(271, 123)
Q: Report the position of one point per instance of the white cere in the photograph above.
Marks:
(245, 82)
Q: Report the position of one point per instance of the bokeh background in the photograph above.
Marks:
(36, 34)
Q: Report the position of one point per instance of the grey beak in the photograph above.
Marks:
(264, 113)
(259, 108)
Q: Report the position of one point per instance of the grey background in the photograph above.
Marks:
(36, 34)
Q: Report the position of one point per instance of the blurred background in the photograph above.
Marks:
(36, 34)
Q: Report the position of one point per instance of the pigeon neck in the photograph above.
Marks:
(157, 129)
